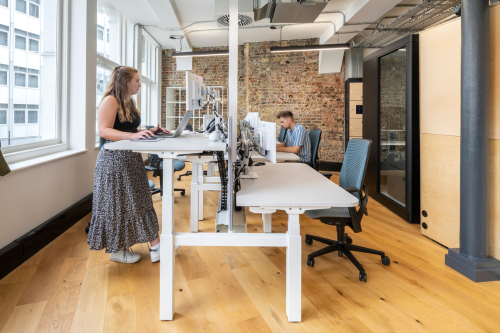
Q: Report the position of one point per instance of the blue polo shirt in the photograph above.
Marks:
(299, 137)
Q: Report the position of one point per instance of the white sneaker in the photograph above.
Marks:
(125, 256)
(155, 255)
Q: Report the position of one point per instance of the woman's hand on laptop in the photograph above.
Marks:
(159, 129)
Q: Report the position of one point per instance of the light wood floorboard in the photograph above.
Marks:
(68, 288)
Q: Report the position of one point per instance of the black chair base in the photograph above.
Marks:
(189, 173)
(343, 246)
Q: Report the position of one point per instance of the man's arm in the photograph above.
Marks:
(284, 148)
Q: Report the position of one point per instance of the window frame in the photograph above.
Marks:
(17, 34)
(29, 39)
(27, 151)
(5, 6)
(5, 70)
(6, 114)
(19, 72)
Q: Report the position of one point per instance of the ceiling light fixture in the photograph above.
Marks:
(201, 53)
(306, 48)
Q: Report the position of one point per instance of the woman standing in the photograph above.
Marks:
(122, 208)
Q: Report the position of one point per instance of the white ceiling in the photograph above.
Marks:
(173, 14)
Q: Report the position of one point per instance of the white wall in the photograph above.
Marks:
(31, 196)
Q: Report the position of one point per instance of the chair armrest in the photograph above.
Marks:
(350, 189)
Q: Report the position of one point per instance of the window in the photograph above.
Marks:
(3, 75)
(3, 113)
(99, 8)
(19, 117)
(21, 6)
(20, 80)
(32, 114)
(20, 42)
(35, 79)
(4, 35)
(34, 8)
(102, 78)
(4, 3)
(33, 45)
(100, 34)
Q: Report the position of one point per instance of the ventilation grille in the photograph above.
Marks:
(244, 20)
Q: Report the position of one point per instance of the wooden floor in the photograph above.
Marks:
(67, 288)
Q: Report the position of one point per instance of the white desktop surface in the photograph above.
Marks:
(280, 157)
(291, 185)
(187, 142)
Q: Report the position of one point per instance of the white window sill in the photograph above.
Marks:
(44, 159)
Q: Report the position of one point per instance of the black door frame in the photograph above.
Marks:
(371, 127)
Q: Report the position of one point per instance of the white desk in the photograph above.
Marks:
(280, 157)
(291, 187)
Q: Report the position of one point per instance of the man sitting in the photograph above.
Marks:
(296, 138)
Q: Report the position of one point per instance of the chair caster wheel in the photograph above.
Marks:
(309, 241)
(386, 261)
(182, 193)
(348, 239)
(362, 276)
(178, 178)
(87, 229)
(310, 262)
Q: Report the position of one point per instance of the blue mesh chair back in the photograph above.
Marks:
(315, 136)
(355, 162)
(281, 136)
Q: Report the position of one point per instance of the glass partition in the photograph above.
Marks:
(392, 154)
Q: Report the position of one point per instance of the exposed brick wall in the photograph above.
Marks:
(277, 82)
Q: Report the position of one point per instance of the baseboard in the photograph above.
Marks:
(330, 166)
(23, 248)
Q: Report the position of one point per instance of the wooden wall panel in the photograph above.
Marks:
(440, 178)
(495, 198)
(440, 80)
(440, 187)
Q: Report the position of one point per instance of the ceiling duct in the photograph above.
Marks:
(422, 16)
(290, 11)
(245, 13)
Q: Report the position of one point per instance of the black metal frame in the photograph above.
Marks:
(347, 94)
(371, 127)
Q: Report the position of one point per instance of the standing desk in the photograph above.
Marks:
(291, 187)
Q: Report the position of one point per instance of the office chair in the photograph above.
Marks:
(156, 165)
(352, 177)
(315, 137)
(282, 135)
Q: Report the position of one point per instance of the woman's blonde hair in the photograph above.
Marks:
(118, 87)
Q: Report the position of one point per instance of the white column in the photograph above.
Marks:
(138, 59)
(194, 197)
(233, 71)
(167, 252)
(293, 270)
(200, 192)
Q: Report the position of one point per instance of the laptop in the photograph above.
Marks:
(179, 129)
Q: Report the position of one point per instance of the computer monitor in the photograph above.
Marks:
(266, 134)
(195, 91)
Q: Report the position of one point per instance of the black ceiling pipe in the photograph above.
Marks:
(472, 259)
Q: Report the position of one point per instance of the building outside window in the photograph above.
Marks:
(28, 73)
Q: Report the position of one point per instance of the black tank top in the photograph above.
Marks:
(127, 126)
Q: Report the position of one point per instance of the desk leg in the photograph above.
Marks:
(194, 197)
(266, 218)
(200, 182)
(167, 253)
(293, 270)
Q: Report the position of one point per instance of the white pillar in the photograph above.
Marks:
(233, 71)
